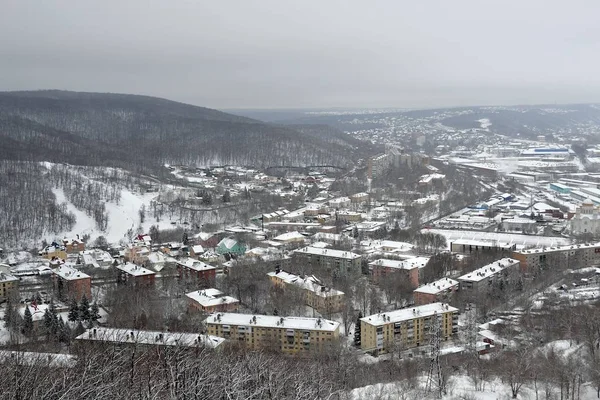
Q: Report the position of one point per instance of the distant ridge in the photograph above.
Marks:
(142, 132)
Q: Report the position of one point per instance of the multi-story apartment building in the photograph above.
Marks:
(290, 335)
(333, 261)
(570, 256)
(406, 328)
(409, 268)
(135, 337)
(468, 246)
(71, 283)
(9, 284)
(483, 277)
(379, 165)
(196, 271)
(211, 300)
(317, 295)
(134, 275)
(438, 291)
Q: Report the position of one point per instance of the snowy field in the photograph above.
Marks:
(521, 241)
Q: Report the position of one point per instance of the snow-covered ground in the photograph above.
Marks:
(520, 241)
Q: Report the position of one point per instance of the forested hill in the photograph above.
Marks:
(136, 132)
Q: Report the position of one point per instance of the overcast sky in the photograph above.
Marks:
(293, 54)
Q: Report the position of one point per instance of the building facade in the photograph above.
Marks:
(438, 291)
(196, 271)
(407, 328)
(571, 256)
(70, 283)
(317, 295)
(483, 277)
(134, 275)
(210, 301)
(9, 285)
(333, 261)
(290, 335)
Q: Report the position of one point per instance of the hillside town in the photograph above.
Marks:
(388, 261)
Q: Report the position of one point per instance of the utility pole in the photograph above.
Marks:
(435, 371)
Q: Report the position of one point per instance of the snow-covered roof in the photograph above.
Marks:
(195, 264)
(309, 282)
(158, 338)
(32, 358)
(407, 314)
(328, 252)
(272, 321)
(289, 236)
(210, 297)
(197, 249)
(410, 263)
(228, 243)
(489, 270)
(69, 273)
(6, 277)
(438, 286)
(134, 270)
(561, 248)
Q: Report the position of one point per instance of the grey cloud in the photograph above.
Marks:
(228, 54)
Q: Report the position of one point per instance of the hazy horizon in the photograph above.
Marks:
(309, 55)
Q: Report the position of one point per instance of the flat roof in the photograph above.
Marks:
(407, 314)
(489, 270)
(560, 248)
(115, 335)
(272, 321)
(134, 270)
(408, 264)
(69, 273)
(195, 265)
(438, 286)
(210, 297)
(328, 252)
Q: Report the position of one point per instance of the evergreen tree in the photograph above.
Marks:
(84, 309)
(357, 330)
(27, 322)
(54, 325)
(48, 323)
(73, 311)
(64, 332)
(226, 197)
(94, 313)
(38, 298)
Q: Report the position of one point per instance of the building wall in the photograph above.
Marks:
(342, 265)
(8, 287)
(406, 334)
(380, 272)
(256, 337)
(190, 274)
(194, 306)
(74, 288)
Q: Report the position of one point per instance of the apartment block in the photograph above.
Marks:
(438, 291)
(317, 295)
(407, 328)
(196, 271)
(571, 256)
(210, 301)
(8, 284)
(410, 267)
(467, 246)
(136, 337)
(134, 275)
(483, 277)
(333, 261)
(71, 283)
(290, 335)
